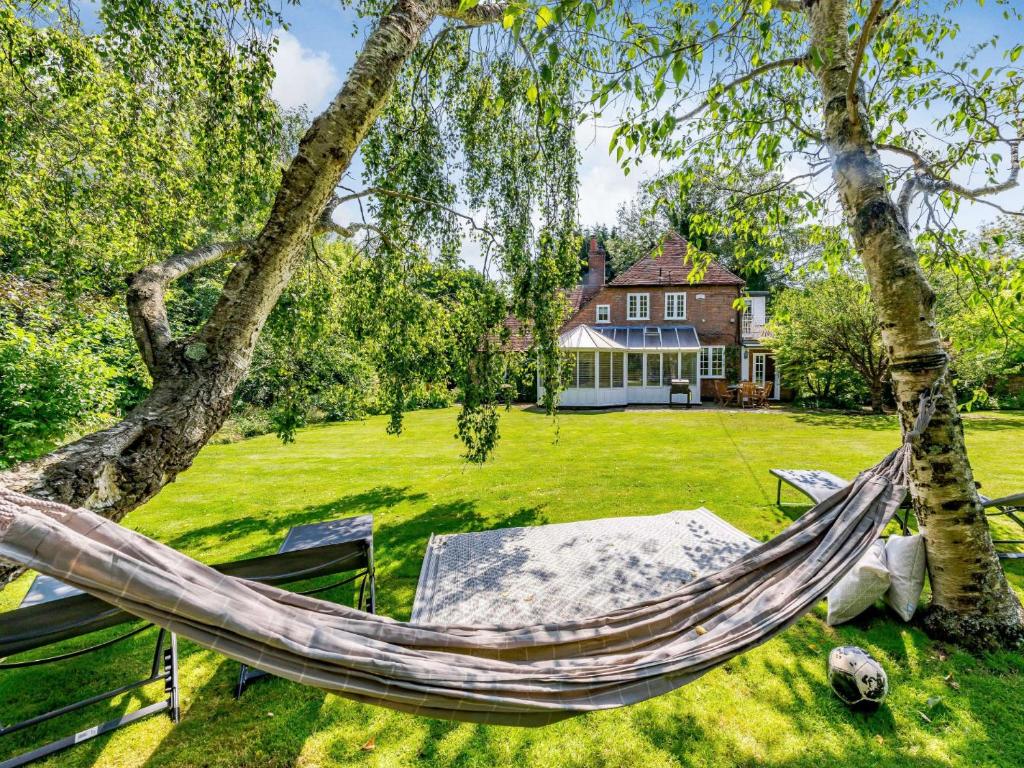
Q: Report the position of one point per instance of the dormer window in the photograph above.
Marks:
(675, 306)
(638, 306)
(603, 313)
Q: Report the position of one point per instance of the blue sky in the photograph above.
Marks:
(319, 47)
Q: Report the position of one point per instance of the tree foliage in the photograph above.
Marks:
(828, 343)
(124, 145)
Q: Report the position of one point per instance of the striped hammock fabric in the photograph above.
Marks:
(526, 676)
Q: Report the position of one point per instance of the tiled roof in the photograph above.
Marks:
(520, 334)
(671, 267)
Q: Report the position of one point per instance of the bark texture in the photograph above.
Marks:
(972, 603)
(117, 469)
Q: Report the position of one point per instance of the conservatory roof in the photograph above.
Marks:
(651, 337)
(585, 337)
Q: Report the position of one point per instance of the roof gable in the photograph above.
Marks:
(672, 267)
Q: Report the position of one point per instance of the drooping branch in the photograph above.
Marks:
(146, 306)
(328, 224)
(927, 178)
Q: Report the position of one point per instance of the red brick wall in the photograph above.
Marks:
(714, 317)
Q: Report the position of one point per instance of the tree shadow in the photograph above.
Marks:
(272, 528)
(31, 691)
(992, 423)
(847, 420)
(399, 546)
(269, 725)
(537, 410)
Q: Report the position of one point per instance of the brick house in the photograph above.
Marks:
(631, 336)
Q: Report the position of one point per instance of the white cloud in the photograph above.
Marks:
(302, 77)
(603, 186)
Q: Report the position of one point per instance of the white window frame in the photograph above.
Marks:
(677, 297)
(708, 362)
(759, 360)
(607, 313)
(630, 307)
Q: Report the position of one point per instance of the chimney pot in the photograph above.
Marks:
(595, 265)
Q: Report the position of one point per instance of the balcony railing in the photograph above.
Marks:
(753, 330)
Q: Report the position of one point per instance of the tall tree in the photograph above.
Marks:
(829, 327)
(515, 159)
(851, 99)
(684, 200)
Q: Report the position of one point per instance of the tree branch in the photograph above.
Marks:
(866, 33)
(792, 61)
(145, 298)
(928, 179)
(477, 16)
(329, 225)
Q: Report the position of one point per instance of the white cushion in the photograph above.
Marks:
(905, 558)
(858, 590)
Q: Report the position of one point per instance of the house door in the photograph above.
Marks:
(760, 366)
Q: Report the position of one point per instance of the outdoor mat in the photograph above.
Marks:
(550, 573)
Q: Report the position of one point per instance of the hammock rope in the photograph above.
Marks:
(526, 676)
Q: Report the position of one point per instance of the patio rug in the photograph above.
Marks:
(553, 573)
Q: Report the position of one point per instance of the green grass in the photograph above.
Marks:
(770, 707)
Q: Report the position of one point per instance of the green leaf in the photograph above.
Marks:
(531, 94)
(678, 70)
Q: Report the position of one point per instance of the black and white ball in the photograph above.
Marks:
(856, 677)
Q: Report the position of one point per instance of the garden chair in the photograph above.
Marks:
(53, 612)
(764, 393)
(747, 394)
(723, 395)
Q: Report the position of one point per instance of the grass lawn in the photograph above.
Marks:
(769, 707)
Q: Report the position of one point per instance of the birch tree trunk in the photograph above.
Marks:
(194, 380)
(972, 603)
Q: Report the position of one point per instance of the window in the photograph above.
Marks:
(638, 306)
(712, 362)
(675, 306)
(669, 367)
(635, 369)
(688, 368)
(603, 313)
(609, 370)
(654, 369)
(585, 370)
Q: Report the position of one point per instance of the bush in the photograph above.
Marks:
(50, 384)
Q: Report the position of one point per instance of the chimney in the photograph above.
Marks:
(596, 258)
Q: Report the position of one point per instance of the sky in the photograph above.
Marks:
(318, 48)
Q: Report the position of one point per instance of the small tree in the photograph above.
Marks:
(826, 327)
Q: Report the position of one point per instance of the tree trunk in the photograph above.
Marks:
(972, 603)
(876, 397)
(117, 469)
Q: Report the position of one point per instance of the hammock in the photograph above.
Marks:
(525, 676)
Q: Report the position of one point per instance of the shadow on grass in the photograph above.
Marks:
(31, 691)
(891, 734)
(536, 410)
(847, 420)
(274, 527)
(992, 424)
(268, 726)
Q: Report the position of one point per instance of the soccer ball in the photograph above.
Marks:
(856, 677)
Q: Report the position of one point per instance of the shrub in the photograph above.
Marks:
(50, 384)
